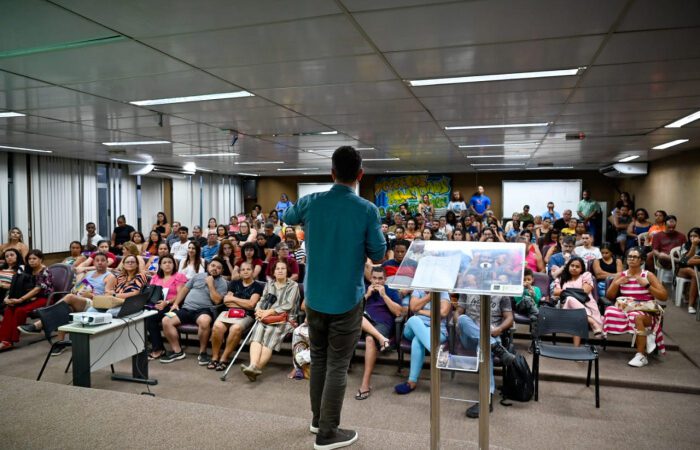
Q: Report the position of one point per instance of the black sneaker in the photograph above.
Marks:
(473, 411)
(172, 356)
(59, 348)
(29, 328)
(203, 359)
(341, 438)
(506, 357)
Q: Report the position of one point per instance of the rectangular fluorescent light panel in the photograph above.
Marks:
(193, 98)
(11, 114)
(328, 132)
(405, 171)
(501, 164)
(498, 156)
(510, 125)
(26, 149)
(550, 168)
(497, 77)
(301, 168)
(680, 122)
(670, 144)
(629, 158)
(381, 159)
(129, 161)
(505, 144)
(200, 155)
(244, 174)
(128, 143)
(240, 163)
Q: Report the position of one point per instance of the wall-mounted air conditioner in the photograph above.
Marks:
(624, 170)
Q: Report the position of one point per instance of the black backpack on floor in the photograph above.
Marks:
(518, 382)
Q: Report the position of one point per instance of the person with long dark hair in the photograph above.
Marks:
(168, 278)
(575, 276)
(161, 226)
(690, 259)
(15, 239)
(193, 263)
(608, 265)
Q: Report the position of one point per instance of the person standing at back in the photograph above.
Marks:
(342, 231)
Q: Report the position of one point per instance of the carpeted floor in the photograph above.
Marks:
(653, 407)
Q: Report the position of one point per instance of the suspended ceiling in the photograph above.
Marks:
(73, 66)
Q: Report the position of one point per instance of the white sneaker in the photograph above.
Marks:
(639, 360)
(692, 310)
(651, 342)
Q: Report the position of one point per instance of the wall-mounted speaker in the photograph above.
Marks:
(250, 189)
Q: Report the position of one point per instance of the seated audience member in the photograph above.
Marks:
(529, 227)
(544, 228)
(19, 305)
(574, 276)
(198, 298)
(427, 235)
(237, 318)
(663, 242)
(607, 265)
(425, 207)
(15, 239)
(129, 248)
(301, 351)
(90, 238)
(130, 281)
(587, 251)
(658, 226)
(690, 259)
(75, 250)
(245, 234)
(211, 225)
(525, 216)
(398, 222)
(174, 235)
(563, 221)
(233, 227)
(121, 233)
(197, 236)
(212, 248)
(261, 251)
(272, 238)
(570, 229)
(281, 295)
(193, 263)
(640, 224)
(549, 240)
(558, 260)
(411, 231)
(257, 214)
(84, 265)
(514, 230)
(509, 226)
(638, 285)
(12, 262)
(179, 248)
(528, 303)
(249, 256)
(221, 233)
(96, 282)
(154, 261)
(472, 226)
(227, 254)
(168, 278)
(458, 236)
(621, 221)
(533, 257)
(551, 214)
(392, 265)
(161, 226)
(296, 250)
(417, 330)
(468, 330)
(382, 306)
(283, 255)
(150, 248)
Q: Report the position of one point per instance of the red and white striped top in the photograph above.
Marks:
(635, 290)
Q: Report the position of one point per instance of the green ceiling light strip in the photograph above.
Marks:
(61, 46)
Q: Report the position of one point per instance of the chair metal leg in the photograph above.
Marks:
(536, 369)
(588, 378)
(69, 364)
(111, 366)
(48, 355)
(597, 385)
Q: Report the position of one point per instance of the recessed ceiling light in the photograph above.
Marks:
(380, 159)
(11, 114)
(670, 144)
(129, 161)
(328, 132)
(244, 174)
(510, 125)
(629, 158)
(241, 163)
(301, 168)
(498, 156)
(684, 120)
(550, 168)
(505, 144)
(201, 155)
(497, 170)
(190, 166)
(499, 164)
(26, 149)
(128, 143)
(405, 171)
(497, 77)
(193, 98)
(359, 149)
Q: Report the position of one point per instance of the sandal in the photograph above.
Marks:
(363, 395)
(404, 388)
(5, 346)
(221, 366)
(153, 356)
(386, 346)
(213, 364)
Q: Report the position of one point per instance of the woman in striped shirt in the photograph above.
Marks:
(640, 285)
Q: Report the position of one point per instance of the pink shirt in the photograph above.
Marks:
(172, 284)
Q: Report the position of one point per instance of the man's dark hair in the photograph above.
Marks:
(246, 246)
(670, 217)
(403, 242)
(569, 240)
(103, 240)
(527, 222)
(528, 272)
(217, 259)
(183, 228)
(347, 163)
(379, 269)
(399, 227)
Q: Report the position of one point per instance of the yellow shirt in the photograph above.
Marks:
(568, 231)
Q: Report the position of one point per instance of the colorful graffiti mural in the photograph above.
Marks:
(390, 192)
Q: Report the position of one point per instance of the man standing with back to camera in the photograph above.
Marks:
(342, 230)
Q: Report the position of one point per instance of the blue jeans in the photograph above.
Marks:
(469, 337)
(418, 332)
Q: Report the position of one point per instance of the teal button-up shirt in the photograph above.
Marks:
(341, 230)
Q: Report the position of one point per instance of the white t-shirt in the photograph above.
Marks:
(95, 239)
(179, 250)
(587, 254)
(189, 270)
